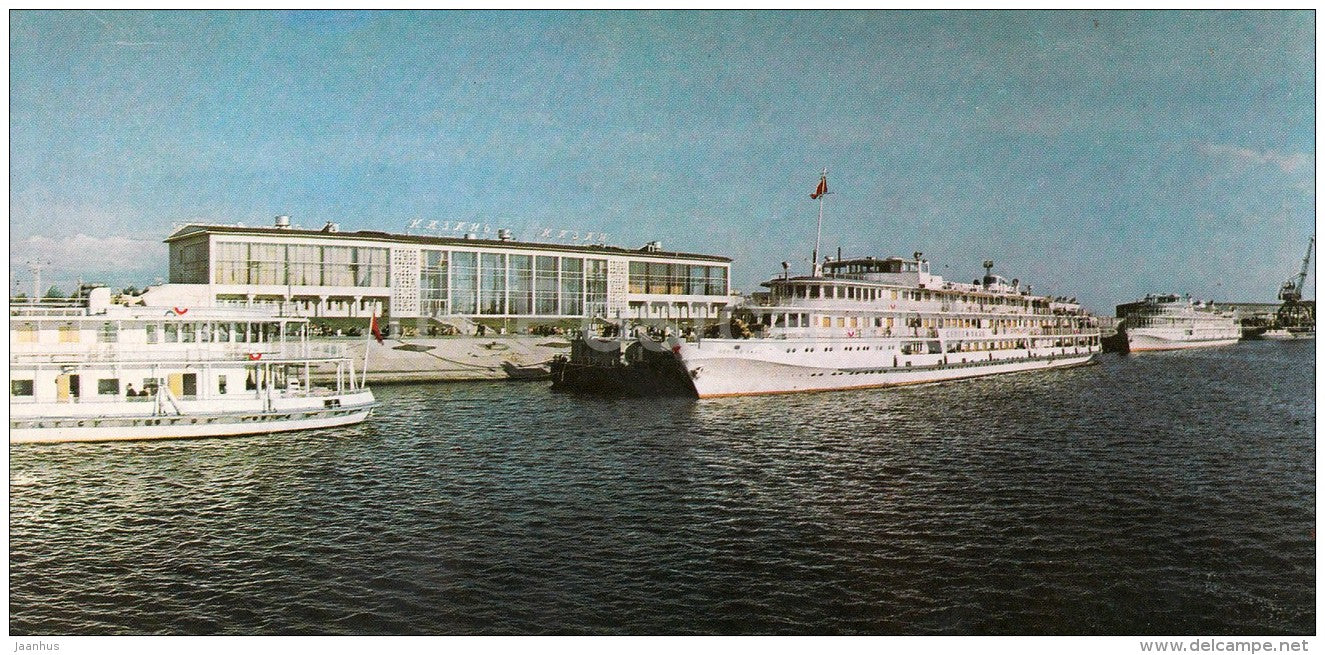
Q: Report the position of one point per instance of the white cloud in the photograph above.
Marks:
(80, 254)
(1244, 157)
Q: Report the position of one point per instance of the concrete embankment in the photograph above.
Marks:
(439, 359)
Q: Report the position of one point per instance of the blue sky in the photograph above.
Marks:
(1102, 155)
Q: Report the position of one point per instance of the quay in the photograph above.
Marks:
(454, 359)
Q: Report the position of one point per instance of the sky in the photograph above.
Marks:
(1101, 155)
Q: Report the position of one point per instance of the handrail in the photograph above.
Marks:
(218, 353)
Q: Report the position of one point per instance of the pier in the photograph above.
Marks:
(455, 359)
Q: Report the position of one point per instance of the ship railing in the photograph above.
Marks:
(37, 311)
(195, 353)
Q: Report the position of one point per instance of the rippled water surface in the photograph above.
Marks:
(1166, 493)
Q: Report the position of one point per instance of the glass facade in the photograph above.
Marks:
(678, 279)
(480, 281)
(279, 263)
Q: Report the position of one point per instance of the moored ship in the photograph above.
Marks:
(98, 371)
(867, 322)
(1173, 322)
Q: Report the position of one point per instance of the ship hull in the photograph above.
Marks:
(721, 376)
(1151, 342)
(192, 424)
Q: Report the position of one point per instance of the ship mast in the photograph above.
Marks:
(819, 193)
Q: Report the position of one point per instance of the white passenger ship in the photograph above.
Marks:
(1173, 322)
(103, 371)
(869, 322)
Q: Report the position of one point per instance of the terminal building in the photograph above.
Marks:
(413, 279)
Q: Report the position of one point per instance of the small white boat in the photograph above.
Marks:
(98, 371)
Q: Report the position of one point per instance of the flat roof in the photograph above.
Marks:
(195, 229)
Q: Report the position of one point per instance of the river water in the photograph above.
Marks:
(1162, 493)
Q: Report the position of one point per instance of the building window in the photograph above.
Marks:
(638, 277)
(109, 332)
(655, 280)
(433, 282)
(545, 285)
(266, 263)
(370, 268)
(108, 387)
(697, 283)
(493, 292)
(337, 262)
(231, 263)
(595, 283)
(522, 284)
(305, 267)
(717, 281)
(20, 387)
(572, 286)
(464, 282)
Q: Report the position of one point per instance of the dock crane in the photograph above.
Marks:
(1296, 314)
(1291, 291)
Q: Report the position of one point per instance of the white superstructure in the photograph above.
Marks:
(881, 322)
(95, 371)
(1173, 322)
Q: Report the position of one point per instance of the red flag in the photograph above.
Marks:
(377, 333)
(821, 189)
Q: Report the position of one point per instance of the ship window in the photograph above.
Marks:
(109, 332)
(68, 333)
(220, 384)
(172, 333)
(108, 386)
(27, 333)
(20, 387)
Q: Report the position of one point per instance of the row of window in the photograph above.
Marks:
(458, 282)
(870, 294)
(794, 320)
(71, 386)
(678, 279)
(107, 386)
(168, 332)
(290, 264)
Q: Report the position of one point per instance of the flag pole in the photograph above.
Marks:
(367, 344)
(814, 259)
